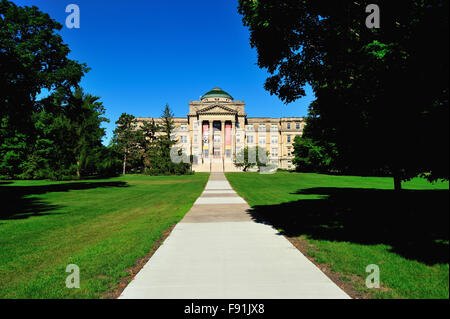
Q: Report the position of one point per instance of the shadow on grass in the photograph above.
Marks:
(17, 202)
(414, 223)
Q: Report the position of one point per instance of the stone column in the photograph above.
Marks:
(222, 139)
(233, 139)
(211, 140)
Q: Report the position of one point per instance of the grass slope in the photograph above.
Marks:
(103, 226)
(354, 221)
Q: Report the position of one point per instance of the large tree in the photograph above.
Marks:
(149, 141)
(86, 114)
(382, 94)
(33, 60)
(65, 138)
(126, 138)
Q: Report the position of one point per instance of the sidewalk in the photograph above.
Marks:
(217, 251)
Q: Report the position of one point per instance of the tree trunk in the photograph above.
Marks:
(78, 169)
(124, 171)
(397, 181)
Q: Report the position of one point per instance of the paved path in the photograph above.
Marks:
(217, 251)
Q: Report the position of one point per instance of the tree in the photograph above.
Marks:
(311, 156)
(150, 145)
(126, 137)
(251, 157)
(381, 94)
(33, 58)
(85, 113)
(66, 137)
(149, 141)
(165, 142)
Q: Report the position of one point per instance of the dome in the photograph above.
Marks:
(217, 92)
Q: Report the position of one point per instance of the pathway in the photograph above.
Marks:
(217, 251)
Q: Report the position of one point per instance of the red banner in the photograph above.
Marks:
(228, 135)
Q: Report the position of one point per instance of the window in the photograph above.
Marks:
(274, 152)
(297, 126)
(274, 139)
(228, 153)
(262, 140)
(216, 138)
(195, 124)
(205, 153)
(238, 125)
(183, 127)
(183, 139)
(288, 138)
(249, 128)
(288, 126)
(249, 139)
(195, 139)
(262, 127)
(238, 138)
(274, 127)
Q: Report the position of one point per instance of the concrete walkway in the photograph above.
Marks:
(217, 251)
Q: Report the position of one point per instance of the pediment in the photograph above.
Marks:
(217, 108)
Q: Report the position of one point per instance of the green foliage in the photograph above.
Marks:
(59, 136)
(126, 141)
(310, 156)
(381, 94)
(33, 57)
(147, 147)
(160, 162)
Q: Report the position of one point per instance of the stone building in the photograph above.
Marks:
(217, 128)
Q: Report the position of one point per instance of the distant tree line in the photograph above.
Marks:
(381, 94)
(147, 148)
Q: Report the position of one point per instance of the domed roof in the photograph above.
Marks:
(217, 92)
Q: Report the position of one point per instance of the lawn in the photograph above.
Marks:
(349, 222)
(103, 226)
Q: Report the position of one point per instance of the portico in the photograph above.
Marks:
(214, 119)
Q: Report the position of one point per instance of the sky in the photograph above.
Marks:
(146, 53)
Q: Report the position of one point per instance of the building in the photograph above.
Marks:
(217, 128)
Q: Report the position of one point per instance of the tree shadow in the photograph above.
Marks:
(415, 223)
(17, 202)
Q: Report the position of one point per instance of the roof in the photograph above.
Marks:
(217, 92)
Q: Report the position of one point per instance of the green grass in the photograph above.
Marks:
(103, 226)
(353, 221)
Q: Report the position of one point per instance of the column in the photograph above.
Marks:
(211, 140)
(233, 139)
(222, 139)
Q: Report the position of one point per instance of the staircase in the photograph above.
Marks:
(217, 165)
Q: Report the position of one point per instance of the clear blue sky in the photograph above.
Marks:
(146, 53)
